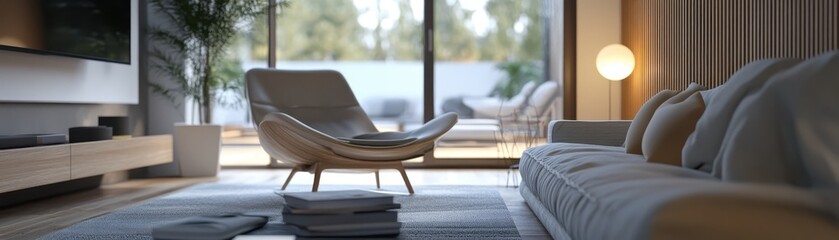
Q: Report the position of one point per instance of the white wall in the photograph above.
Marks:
(26, 77)
(598, 25)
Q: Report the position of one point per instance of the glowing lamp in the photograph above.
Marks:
(615, 62)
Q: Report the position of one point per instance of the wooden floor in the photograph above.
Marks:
(34, 219)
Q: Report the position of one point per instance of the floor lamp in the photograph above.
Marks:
(615, 62)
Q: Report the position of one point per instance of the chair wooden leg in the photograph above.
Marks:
(378, 185)
(405, 178)
(290, 175)
(318, 171)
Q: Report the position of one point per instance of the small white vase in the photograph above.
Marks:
(197, 149)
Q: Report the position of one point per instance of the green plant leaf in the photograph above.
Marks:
(191, 48)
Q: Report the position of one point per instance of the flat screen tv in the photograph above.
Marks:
(90, 29)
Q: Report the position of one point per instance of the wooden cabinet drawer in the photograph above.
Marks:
(94, 158)
(35, 166)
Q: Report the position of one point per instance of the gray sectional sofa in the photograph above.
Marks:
(772, 172)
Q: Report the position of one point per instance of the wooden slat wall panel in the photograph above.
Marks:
(705, 41)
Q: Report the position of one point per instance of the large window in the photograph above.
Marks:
(482, 49)
(376, 45)
(240, 144)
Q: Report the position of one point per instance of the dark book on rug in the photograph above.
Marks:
(309, 220)
(350, 210)
(336, 199)
(209, 227)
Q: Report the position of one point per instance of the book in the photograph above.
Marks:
(209, 227)
(350, 210)
(309, 220)
(336, 199)
(387, 229)
(352, 226)
(265, 237)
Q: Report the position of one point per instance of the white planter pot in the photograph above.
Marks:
(197, 149)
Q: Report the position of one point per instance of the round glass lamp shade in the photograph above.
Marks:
(615, 62)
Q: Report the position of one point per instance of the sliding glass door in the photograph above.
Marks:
(375, 44)
(488, 60)
(483, 51)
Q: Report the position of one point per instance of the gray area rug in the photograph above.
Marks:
(434, 212)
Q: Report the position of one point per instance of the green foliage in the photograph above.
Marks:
(230, 77)
(503, 42)
(191, 47)
(317, 30)
(517, 73)
(453, 40)
(406, 37)
(532, 45)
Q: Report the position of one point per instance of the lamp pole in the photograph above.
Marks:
(615, 62)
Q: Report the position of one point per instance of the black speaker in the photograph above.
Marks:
(121, 125)
(89, 134)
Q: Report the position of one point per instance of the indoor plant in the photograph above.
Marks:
(190, 48)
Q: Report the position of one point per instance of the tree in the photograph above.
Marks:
(320, 30)
(406, 36)
(258, 38)
(453, 41)
(378, 51)
(527, 45)
(532, 47)
(505, 13)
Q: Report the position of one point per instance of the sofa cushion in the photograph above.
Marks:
(787, 132)
(635, 134)
(670, 127)
(704, 144)
(719, 210)
(597, 192)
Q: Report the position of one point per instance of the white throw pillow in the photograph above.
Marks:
(703, 146)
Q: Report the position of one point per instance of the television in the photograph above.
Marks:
(89, 29)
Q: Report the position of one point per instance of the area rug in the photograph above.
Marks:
(434, 212)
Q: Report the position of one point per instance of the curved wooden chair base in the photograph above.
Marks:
(317, 169)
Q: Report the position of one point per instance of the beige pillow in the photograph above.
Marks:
(692, 88)
(670, 128)
(642, 119)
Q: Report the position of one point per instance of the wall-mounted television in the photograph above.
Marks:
(90, 29)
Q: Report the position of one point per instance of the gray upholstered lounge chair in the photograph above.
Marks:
(312, 119)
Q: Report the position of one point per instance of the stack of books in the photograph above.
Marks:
(349, 213)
